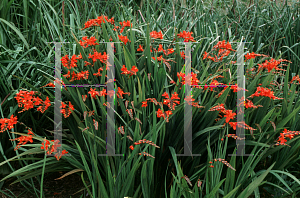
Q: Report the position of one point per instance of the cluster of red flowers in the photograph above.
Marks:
(23, 139)
(189, 99)
(171, 102)
(8, 123)
(88, 42)
(133, 70)
(286, 133)
(252, 55)
(120, 93)
(272, 64)
(249, 104)
(124, 39)
(240, 125)
(187, 36)
(260, 91)
(295, 78)
(66, 111)
(27, 100)
(224, 50)
(181, 77)
(52, 148)
(165, 114)
(98, 56)
(95, 93)
(156, 35)
(79, 76)
(124, 24)
(98, 21)
(66, 62)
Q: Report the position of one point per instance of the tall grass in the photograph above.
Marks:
(27, 61)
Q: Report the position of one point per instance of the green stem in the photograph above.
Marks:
(41, 189)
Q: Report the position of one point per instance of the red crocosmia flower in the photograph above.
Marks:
(97, 56)
(260, 91)
(50, 85)
(103, 92)
(124, 70)
(182, 55)
(295, 78)
(67, 75)
(140, 49)
(233, 125)
(45, 144)
(215, 82)
(7, 123)
(94, 93)
(160, 48)
(98, 22)
(66, 111)
(189, 99)
(223, 45)
(187, 36)
(249, 104)
(124, 39)
(251, 55)
(144, 104)
(134, 69)
(165, 95)
(158, 58)
(159, 113)
(229, 115)
(175, 96)
(22, 140)
(205, 87)
(205, 55)
(131, 147)
(156, 35)
(288, 134)
(170, 51)
(281, 139)
(37, 100)
(44, 106)
(83, 75)
(120, 93)
(88, 42)
(58, 155)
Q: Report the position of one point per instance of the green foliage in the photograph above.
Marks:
(26, 61)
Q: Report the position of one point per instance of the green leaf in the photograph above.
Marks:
(249, 190)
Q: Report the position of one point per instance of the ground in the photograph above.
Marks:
(66, 187)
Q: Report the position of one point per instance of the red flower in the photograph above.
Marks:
(58, 155)
(94, 93)
(144, 104)
(124, 39)
(134, 69)
(156, 35)
(281, 139)
(186, 35)
(140, 49)
(251, 55)
(233, 125)
(23, 139)
(7, 123)
(103, 92)
(124, 70)
(160, 48)
(229, 115)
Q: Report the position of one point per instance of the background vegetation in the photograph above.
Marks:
(27, 61)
